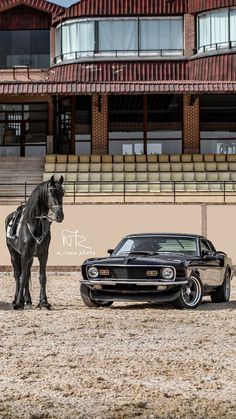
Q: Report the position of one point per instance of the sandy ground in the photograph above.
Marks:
(127, 361)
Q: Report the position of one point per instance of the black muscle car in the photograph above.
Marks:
(177, 268)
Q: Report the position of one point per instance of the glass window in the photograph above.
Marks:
(164, 124)
(83, 126)
(76, 40)
(161, 34)
(204, 26)
(233, 26)
(219, 26)
(25, 47)
(23, 126)
(126, 124)
(217, 29)
(218, 124)
(157, 244)
(118, 35)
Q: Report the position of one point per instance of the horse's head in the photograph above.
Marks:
(55, 198)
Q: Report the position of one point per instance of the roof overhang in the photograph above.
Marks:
(42, 5)
(73, 88)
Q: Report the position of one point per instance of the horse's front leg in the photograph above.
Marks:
(27, 296)
(43, 302)
(19, 300)
(16, 263)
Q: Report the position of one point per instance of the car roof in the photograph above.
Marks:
(196, 236)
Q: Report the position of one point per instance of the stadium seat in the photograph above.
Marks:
(72, 158)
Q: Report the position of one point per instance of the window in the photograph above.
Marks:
(126, 124)
(205, 246)
(117, 37)
(25, 47)
(217, 29)
(163, 35)
(83, 125)
(23, 127)
(164, 124)
(74, 39)
(218, 124)
(136, 127)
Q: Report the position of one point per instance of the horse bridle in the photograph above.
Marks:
(51, 188)
(40, 239)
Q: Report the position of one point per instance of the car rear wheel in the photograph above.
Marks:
(190, 294)
(88, 301)
(222, 293)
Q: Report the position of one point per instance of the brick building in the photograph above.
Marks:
(117, 77)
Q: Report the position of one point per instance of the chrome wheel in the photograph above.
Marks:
(190, 295)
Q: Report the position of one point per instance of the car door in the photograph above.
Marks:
(211, 266)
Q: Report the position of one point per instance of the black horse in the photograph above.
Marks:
(28, 235)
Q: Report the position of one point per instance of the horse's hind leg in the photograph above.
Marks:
(27, 296)
(16, 264)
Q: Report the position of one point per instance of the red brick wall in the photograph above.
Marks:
(191, 132)
(99, 124)
(189, 34)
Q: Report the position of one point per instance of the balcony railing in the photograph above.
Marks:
(215, 47)
(122, 191)
(76, 55)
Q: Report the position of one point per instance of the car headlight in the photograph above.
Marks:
(167, 273)
(92, 272)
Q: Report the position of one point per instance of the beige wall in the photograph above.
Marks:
(89, 230)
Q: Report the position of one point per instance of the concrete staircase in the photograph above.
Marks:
(19, 175)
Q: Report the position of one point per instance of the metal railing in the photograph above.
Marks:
(215, 47)
(75, 55)
(80, 191)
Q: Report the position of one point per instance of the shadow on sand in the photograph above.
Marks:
(204, 306)
(5, 306)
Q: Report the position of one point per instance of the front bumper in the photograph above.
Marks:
(116, 289)
(139, 282)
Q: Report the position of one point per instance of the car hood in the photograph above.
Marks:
(176, 259)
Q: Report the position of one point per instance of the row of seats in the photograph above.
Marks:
(148, 177)
(140, 167)
(149, 187)
(141, 158)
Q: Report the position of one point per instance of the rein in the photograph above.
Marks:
(45, 231)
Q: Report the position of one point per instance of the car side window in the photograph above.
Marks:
(213, 250)
(205, 246)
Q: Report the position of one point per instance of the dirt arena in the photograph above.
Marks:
(127, 361)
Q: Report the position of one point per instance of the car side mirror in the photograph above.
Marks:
(219, 254)
(206, 254)
(110, 251)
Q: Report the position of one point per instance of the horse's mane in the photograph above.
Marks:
(37, 204)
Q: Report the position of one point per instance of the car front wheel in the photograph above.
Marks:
(88, 301)
(222, 293)
(190, 294)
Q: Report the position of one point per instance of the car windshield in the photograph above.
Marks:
(157, 244)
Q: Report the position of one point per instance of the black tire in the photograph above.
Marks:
(222, 293)
(190, 294)
(85, 296)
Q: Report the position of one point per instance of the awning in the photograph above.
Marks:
(73, 88)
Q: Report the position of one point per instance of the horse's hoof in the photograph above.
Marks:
(17, 306)
(44, 306)
(28, 306)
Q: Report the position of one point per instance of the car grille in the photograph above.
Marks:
(138, 272)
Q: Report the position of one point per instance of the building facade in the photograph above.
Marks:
(117, 77)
